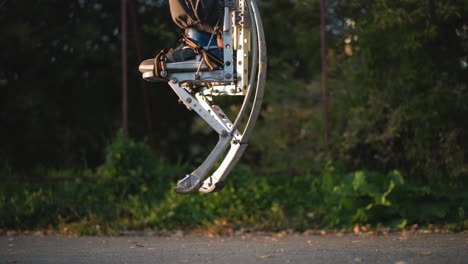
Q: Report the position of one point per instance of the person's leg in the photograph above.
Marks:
(198, 18)
(202, 38)
(198, 14)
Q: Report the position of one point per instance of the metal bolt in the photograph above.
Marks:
(224, 133)
(164, 73)
(188, 100)
(228, 76)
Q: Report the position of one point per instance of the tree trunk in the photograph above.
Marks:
(124, 69)
(144, 88)
(324, 71)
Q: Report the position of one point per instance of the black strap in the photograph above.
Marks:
(208, 57)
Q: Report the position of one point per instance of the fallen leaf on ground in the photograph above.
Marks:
(267, 256)
(136, 244)
(400, 262)
(358, 260)
(425, 253)
(404, 233)
(356, 229)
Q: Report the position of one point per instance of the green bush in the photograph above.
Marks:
(129, 192)
(369, 197)
(359, 197)
(128, 166)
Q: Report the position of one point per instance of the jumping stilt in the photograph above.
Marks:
(241, 72)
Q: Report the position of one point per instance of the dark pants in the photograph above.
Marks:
(194, 13)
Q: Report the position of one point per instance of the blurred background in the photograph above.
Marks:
(391, 150)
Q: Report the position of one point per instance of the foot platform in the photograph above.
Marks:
(188, 67)
(188, 185)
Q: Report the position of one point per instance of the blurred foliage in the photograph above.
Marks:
(128, 165)
(404, 104)
(399, 133)
(370, 197)
(60, 74)
(130, 193)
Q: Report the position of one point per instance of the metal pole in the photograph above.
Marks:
(324, 70)
(124, 69)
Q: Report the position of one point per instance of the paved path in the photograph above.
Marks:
(393, 249)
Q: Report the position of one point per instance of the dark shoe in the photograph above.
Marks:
(185, 53)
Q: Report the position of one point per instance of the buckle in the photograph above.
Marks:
(159, 63)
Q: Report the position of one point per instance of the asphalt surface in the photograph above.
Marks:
(393, 248)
